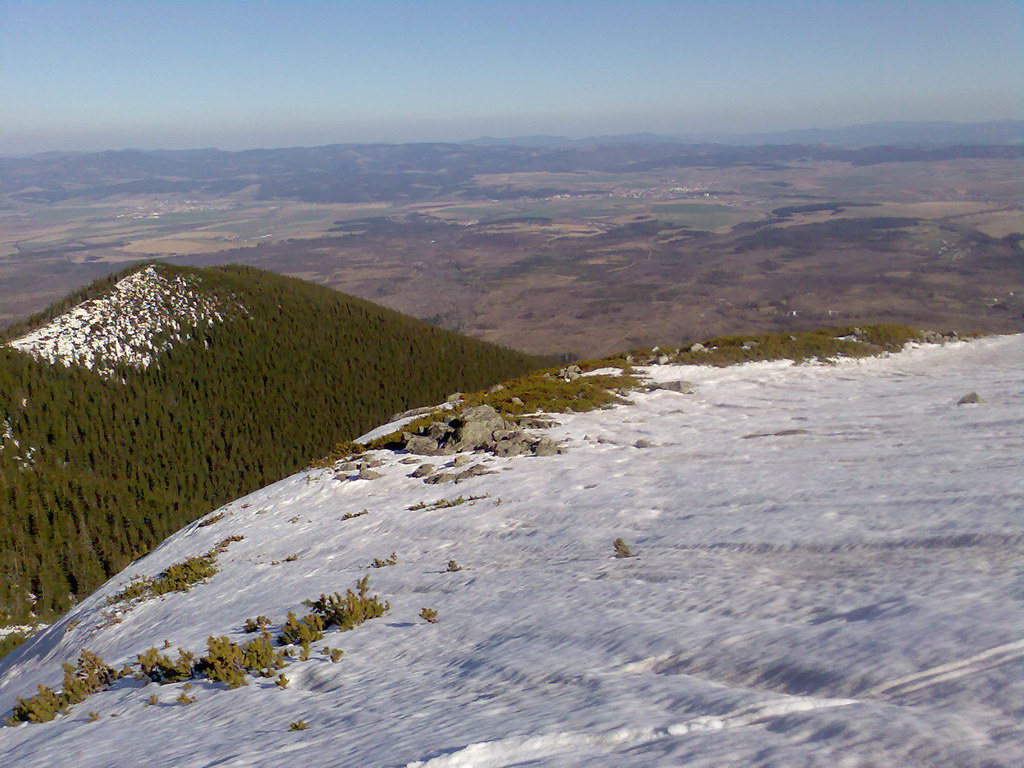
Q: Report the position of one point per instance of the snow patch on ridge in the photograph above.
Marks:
(144, 314)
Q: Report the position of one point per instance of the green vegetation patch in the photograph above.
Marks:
(225, 661)
(179, 577)
(547, 391)
(819, 345)
(348, 611)
(90, 675)
(11, 641)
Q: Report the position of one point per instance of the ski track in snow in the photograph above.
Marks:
(847, 595)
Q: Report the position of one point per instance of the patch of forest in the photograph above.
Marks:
(96, 470)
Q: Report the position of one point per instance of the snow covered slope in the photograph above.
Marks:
(143, 315)
(827, 574)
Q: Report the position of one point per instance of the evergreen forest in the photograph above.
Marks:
(95, 470)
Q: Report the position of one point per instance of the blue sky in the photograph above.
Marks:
(110, 74)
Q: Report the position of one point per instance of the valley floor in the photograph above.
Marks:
(826, 574)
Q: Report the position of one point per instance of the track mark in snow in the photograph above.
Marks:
(993, 657)
(505, 753)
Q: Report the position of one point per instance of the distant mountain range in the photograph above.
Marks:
(411, 172)
(898, 133)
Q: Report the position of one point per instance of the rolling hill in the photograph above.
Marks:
(143, 401)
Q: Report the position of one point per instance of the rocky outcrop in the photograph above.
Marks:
(479, 428)
(682, 386)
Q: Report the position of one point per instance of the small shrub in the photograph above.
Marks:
(622, 549)
(184, 698)
(446, 503)
(152, 700)
(282, 681)
(334, 653)
(41, 708)
(353, 515)
(160, 669)
(211, 520)
(453, 566)
(304, 631)
(298, 725)
(224, 662)
(91, 675)
(429, 615)
(94, 716)
(291, 558)
(258, 624)
(349, 610)
(378, 563)
(260, 657)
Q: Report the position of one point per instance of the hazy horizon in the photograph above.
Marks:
(81, 76)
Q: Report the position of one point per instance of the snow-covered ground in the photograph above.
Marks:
(144, 314)
(844, 594)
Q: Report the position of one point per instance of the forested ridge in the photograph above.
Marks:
(97, 469)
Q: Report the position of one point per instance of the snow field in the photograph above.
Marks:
(846, 596)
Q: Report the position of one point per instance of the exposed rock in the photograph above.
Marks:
(439, 431)
(455, 397)
(644, 444)
(682, 386)
(420, 444)
(369, 474)
(545, 447)
(349, 466)
(517, 401)
(512, 446)
(496, 388)
(408, 460)
(663, 359)
(537, 422)
(476, 428)
(373, 463)
(475, 471)
(698, 347)
(570, 372)
(970, 398)
(440, 477)
(423, 470)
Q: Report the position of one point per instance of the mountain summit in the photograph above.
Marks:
(759, 565)
(144, 314)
